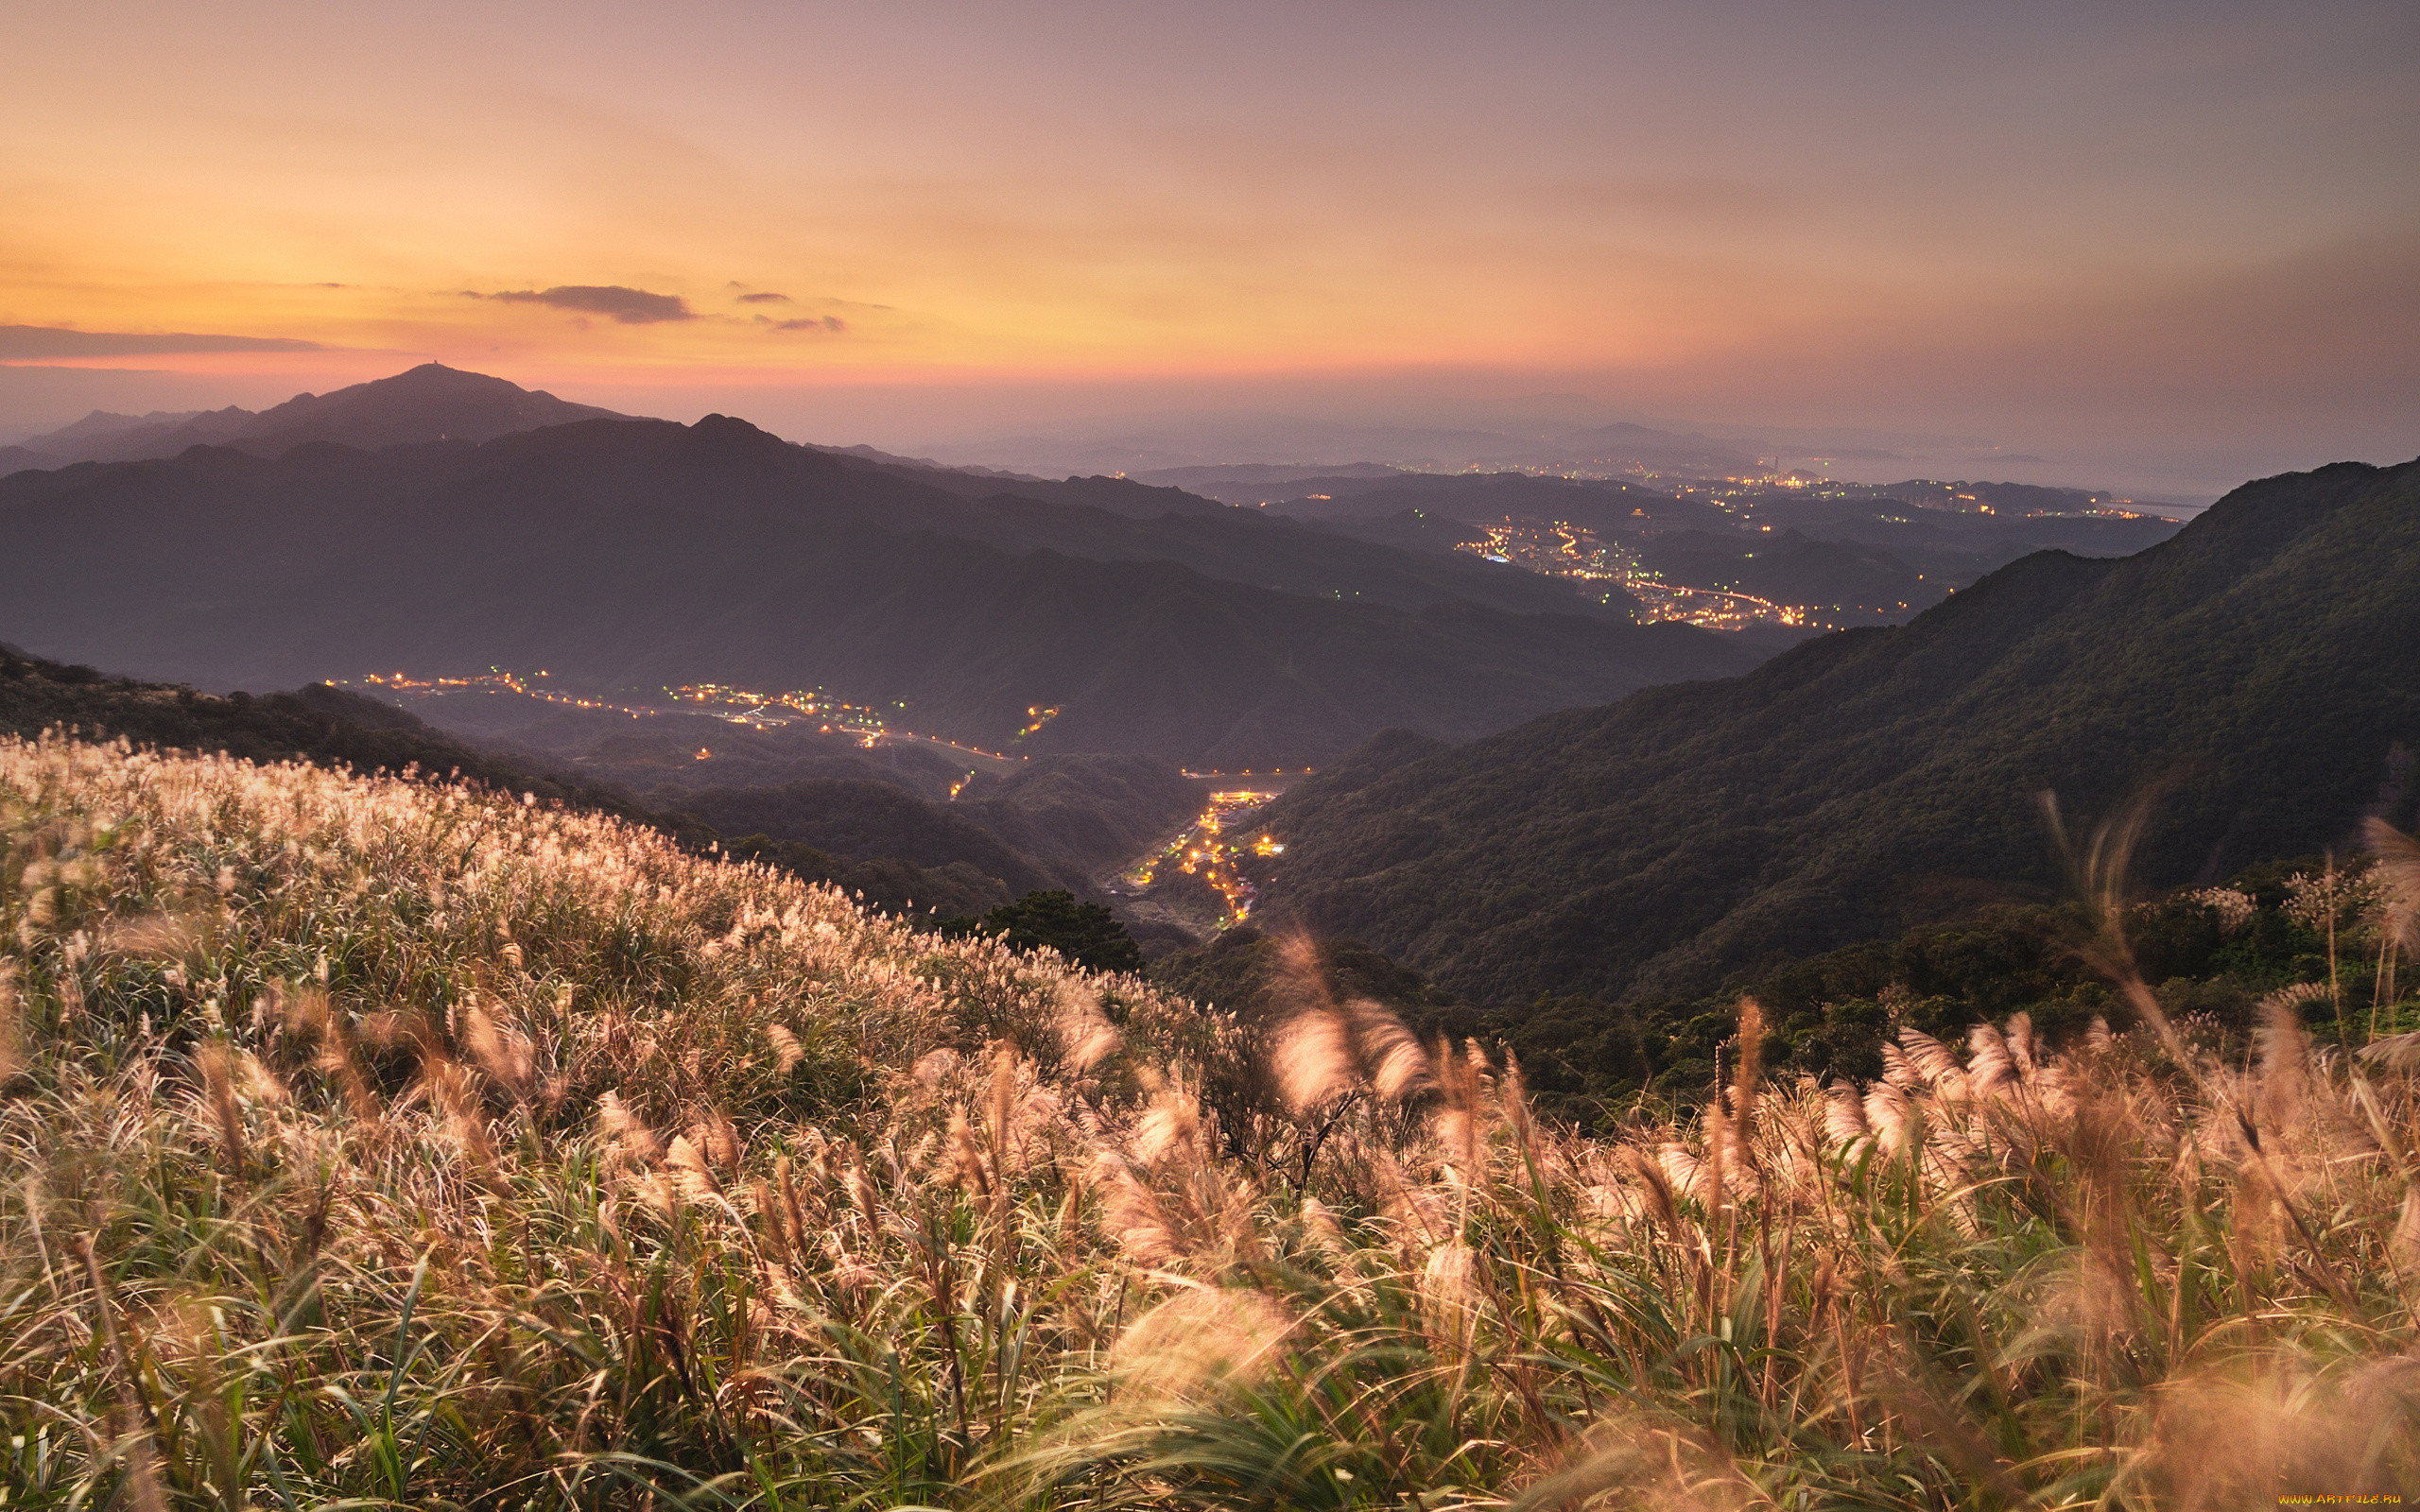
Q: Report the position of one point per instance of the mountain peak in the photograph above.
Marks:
(430, 403)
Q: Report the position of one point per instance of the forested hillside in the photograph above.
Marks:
(2253, 677)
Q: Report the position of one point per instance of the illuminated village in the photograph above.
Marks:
(867, 723)
(1213, 849)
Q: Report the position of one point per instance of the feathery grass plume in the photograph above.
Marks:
(1655, 1187)
(264, 1085)
(2398, 870)
(1638, 1462)
(791, 1211)
(503, 1055)
(1396, 1063)
(1844, 1122)
(12, 1029)
(2100, 873)
(309, 1012)
(2098, 870)
(1897, 1070)
(1201, 1342)
(934, 1068)
(1447, 1309)
(2282, 1089)
(1457, 1125)
(1086, 1038)
(1684, 1174)
(966, 1157)
(1886, 1113)
(1169, 1130)
(1750, 1069)
(1935, 1066)
(1327, 1235)
(859, 1188)
(1000, 1106)
(2255, 1436)
(1990, 1068)
(1512, 1109)
(1132, 1216)
(782, 1241)
(447, 1083)
(1314, 1060)
(2404, 1244)
(2101, 1143)
(218, 1094)
(2398, 914)
(717, 1140)
(2016, 1036)
(691, 1174)
(136, 1429)
(788, 1052)
(1416, 1214)
(628, 1132)
(1730, 1127)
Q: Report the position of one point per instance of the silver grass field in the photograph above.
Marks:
(371, 1143)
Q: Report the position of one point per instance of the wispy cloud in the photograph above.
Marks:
(766, 299)
(21, 343)
(829, 322)
(628, 305)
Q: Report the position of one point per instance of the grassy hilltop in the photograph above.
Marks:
(385, 1144)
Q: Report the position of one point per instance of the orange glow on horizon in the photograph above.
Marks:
(1779, 217)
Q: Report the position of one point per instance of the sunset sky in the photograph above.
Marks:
(2158, 246)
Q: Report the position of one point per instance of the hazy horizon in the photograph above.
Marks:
(1030, 434)
(2161, 251)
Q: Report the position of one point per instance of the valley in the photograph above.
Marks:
(1218, 852)
(1044, 682)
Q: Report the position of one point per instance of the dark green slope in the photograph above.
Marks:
(2263, 667)
(1054, 823)
(859, 818)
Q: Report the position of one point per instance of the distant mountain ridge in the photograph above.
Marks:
(2256, 669)
(645, 552)
(430, 403)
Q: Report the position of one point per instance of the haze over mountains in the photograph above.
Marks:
(1166, 450)
(638, 552)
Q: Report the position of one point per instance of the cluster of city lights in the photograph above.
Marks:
(1565, 550)
(869, 724)
(1274, 771)
(1206, 850)
(498, 680)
